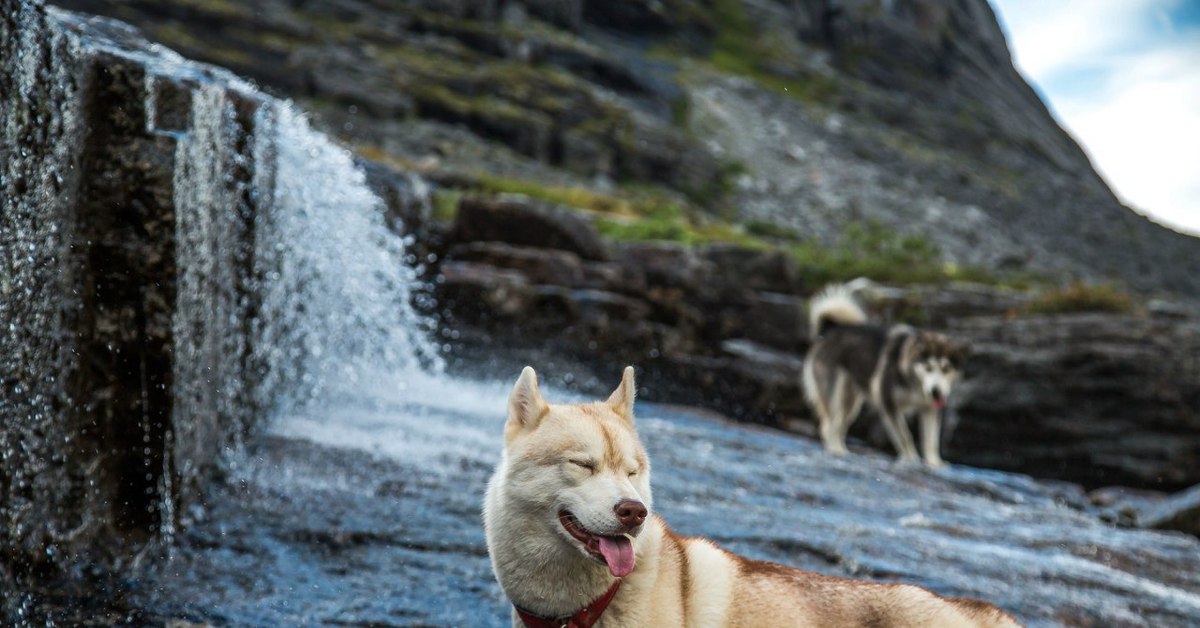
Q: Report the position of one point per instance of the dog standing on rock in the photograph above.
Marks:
(573, 541)
(902, 371)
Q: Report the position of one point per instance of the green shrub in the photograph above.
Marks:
(739, 48)
(445, 204)
(771, 231)
(664, 222)
(1083, 297)
(870, 249)
(577, 197)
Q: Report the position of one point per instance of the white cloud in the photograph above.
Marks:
(1125, 81)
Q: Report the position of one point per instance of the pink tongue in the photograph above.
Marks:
(618, 553)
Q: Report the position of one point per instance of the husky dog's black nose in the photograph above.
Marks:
(630, 513)
(936, 393)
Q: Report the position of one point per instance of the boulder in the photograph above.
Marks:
(406, 196)
(543, 266)
(1094, 398)
(479, 292)
(666, 265)
(938, 305)
(741, 268)
(524, 221)
(750, 383)
(776, 320)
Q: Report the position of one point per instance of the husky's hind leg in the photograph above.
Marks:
(845, 404)
(819, 391)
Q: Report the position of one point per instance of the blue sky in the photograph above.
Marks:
(1123, 76)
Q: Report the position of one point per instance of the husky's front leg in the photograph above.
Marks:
(931, 434)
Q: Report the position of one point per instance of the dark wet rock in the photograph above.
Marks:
(478, 292)
(565, 13)
(665, 265)
(939, 306)
(1122, 505)
(126, 304)
(741, 268)
(1180, 512)
(602, 309)
(745, 381)
(526, 222)
(545, 266)
(1095, 398)
(405, 194)
(640, 16)
(776, 320)
(614, 277)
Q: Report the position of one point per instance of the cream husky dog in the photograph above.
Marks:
(900, 370)
(573, 543)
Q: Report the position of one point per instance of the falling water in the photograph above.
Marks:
(234, 268)
(337, 314)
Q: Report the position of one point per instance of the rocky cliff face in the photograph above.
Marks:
(150, 207)
(811, 115)
(125, 261)
(1094, 398)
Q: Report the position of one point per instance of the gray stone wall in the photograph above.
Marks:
(126, 249)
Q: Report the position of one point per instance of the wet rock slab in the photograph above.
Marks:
(313, 533)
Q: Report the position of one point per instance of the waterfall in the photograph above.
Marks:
(337, 314)
(182, 259)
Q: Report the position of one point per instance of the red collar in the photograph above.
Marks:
(585, 618)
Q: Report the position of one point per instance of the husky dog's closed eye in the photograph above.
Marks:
(900, 370)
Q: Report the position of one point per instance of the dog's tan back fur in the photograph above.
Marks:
(677, 581)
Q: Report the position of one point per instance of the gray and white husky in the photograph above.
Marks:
(902, 371)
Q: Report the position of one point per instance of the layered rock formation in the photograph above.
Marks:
(1094, 398)
(810, 115)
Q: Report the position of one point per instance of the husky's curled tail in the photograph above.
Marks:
(835, 305)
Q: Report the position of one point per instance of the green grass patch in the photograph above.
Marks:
(445, 204)
(665, 222)
(739, 48)
(771, 231)
(670, 223)
(870, 249)
(1083, 297)
(572, 196)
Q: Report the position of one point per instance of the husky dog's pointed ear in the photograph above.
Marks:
(525, 404)
(622, 398)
